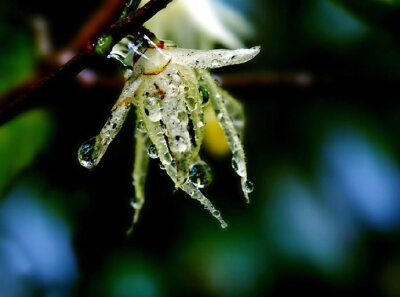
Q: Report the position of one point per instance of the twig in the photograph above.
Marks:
(98, 22)
(14, 103)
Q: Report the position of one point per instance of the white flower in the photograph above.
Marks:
(170, 88)
(201, 24)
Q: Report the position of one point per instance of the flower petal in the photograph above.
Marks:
(201, 59)
(93, 150)
(139, 172)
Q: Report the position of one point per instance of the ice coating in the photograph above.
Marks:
(139, 174)
(203, 59)
(230, 130)
(91, 152)
(170, 90)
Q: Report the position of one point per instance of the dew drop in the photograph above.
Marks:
(182, 116)
(238, 164)
(178, 144)
(205, 95)
(88, 154)
(216, 213)
(134, 205)
(152, 151)
(248, 186)
(153, 109)
(140, 126)
(191, 103)
(162, 167)
(163, 128)
(200, 175)
(214, 63)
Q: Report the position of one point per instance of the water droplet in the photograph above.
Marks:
(191, 103)
(134, 205)
(88, 154)
(214, 63)
(200, 174)
(238, 164)
(153, 108)
(152, 151)
(182, 116)
(248, 186)
(205, 95)
(216, 213)
(178, 144)
(162, 167)
(163, 128)
(176, 77)
(140, 126)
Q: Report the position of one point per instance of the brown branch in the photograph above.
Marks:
(107, 13)
(15, 102)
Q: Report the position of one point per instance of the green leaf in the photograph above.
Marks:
(17, 57)
(21, 141)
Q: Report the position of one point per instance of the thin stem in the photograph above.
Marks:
(12, 104)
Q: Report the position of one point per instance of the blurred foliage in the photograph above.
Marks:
(21, 140)
(18, 56)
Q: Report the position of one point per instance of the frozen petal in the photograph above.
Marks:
(195, 193)
(156, 133)
(228, 126)
(139, 172)
(91, 152)
(202, 59)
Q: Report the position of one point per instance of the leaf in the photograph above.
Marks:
(17, 57)
(21, 141)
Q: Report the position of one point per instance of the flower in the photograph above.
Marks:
(170, 88)
(201, 24)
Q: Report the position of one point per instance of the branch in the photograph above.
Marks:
(13, 103)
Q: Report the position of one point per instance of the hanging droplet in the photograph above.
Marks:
(178, 144)
(200, 174)
(152, 151)
(87, 153)
(162, 167)
(248, 186)
(216, 213)
(205, 95)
